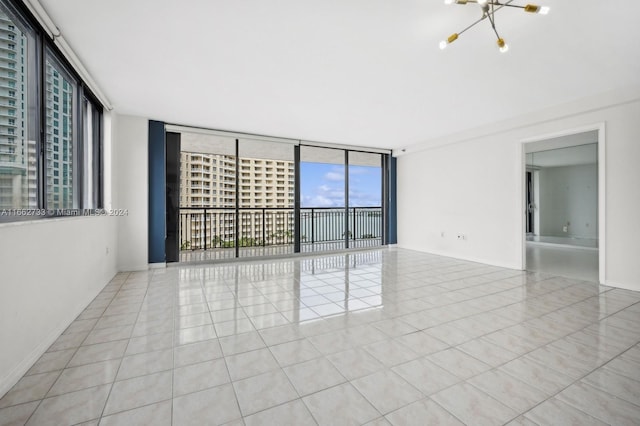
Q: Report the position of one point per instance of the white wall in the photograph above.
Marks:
(569, 195)
(472, 183)
(462, 188)
(132, 191)
(51, 269)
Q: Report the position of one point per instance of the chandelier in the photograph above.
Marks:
(489, 9)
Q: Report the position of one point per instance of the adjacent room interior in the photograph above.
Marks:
(318, 213)
(562, 206)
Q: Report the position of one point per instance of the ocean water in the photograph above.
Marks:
(330, 225)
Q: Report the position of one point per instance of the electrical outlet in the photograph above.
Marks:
(462, 237)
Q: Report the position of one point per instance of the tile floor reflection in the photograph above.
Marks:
(275, 250)
(564, 261)
(386, 336)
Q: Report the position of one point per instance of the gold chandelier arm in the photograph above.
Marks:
(491, 16)
(466, 28)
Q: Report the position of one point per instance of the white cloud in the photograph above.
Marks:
(334, 176)
(324, 196)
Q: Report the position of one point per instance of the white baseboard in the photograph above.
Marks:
(161, 265)
(490, 262)
(133, 268)
(10, 379)
(624, 286)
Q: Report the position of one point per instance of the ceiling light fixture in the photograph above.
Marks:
(489, 9)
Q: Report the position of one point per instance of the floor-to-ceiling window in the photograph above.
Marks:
(239, 197)
(341, 198)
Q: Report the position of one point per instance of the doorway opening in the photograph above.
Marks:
(564, 204)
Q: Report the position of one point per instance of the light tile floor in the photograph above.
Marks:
(563, 261)
(379, 337)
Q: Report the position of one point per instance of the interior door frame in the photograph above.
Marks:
(602, 194)
(530, 227)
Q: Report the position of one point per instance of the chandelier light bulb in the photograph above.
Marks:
(443, 44)
(504, 47)
(533, 8)
(448, 1)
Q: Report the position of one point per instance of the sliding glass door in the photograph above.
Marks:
(266, 189)
(323, 218)
(365, 199)
(208, 195)
(341, 199)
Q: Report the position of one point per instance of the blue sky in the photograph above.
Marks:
(322, 185)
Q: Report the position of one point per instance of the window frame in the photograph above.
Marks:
(94, 199)
(44, 48)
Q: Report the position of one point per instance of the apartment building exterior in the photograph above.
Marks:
(208, 190)
(59, 136)
(17, 153)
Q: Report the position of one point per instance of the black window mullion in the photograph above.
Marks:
(42, 123)
(99, 157)
(80, 146)
(346, 199)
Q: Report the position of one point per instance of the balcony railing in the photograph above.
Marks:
(205, 228)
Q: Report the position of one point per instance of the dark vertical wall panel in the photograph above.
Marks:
(393, 202)
(157, 192)
(172, 245)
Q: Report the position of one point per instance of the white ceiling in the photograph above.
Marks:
(361, 72)
(585, 138)
(566, 156)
